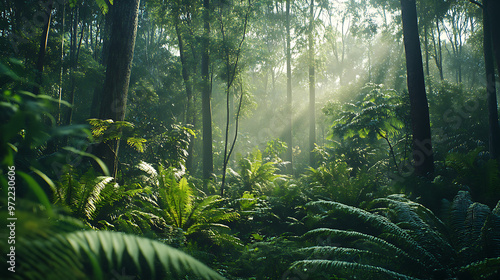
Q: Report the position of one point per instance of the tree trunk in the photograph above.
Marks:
(119, 64)
(206, 96)
(106, 37)
(419, 110)
(427, 71)
(494, 19)
(494, 129)
(75, 51)
(439, 52)
(288, 107)
(312, 93)
(190, 114)
(43, 49)
(61, 70)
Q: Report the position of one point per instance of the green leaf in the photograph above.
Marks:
(98, 160)
(37, 191)
(106, 252)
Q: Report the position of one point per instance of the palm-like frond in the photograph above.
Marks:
(255, 174)
(458, 214)
(179, 207)
(347, 269)
(491, 234)
(84, 194)
(378, 225)
(471, 249)
(361, 241)
(423, 226)
(100, 255)
(400, 240)
(484, 269)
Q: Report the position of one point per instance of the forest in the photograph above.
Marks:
(250, 139)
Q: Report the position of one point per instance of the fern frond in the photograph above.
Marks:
(95, 196)
(347, 269)
(484, 269)
(137, 143)
(421, 224)
(347, 254)
(491, 236)
(363, 242)
(98, 254)
(458, 214)
(379, 225)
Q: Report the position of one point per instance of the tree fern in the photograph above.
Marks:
(420, 223)
(106, 130)
(402, 240)
(377, 225)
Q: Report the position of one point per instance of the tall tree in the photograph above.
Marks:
(119, 65)
(489, 20)
(231, 56)
(423, 159)
(206, 95)
(43, 47)
(494, 18)
(288, 107)
(312, 93)
(190, 114)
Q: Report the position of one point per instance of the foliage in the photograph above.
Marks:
(178, 205)
(379, 113)
(106, 130)
(458, 117)
(103, 203)
(171, 146)
(27, 125)
(265, 259)
(274, 149)
(334, 180)
(255, 175)
(399, 239)
(362, 137)
(85, 195)
(477, 171)
(84, 254)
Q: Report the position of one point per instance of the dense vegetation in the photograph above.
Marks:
(256, 139)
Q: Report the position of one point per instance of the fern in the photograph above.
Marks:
(179, 207)
(107, 130)
(491, 234)
(420, 223)
(379, 225)
(100, 254)
(477, 214)
(485, 269)
(458, 214)
(366, 242)
(401, 239)
(347, 269)
(255, 174)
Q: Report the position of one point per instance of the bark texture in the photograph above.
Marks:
(423, 159)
